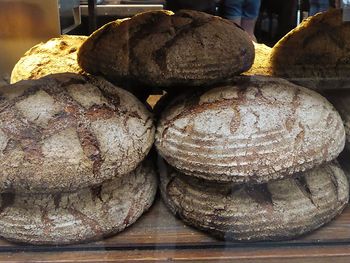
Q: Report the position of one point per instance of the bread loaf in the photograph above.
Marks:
(68, 131)
(58, 55)
(163, 49)
(88, 214)
(278, 210)
(254, 130)
(316, 54)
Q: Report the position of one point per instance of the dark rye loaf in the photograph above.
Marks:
(160, 48)
(277, 210)
(253, 130)
(316, 54)
(67, 131)
(88, 214)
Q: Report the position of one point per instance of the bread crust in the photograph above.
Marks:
(278, 210)
(316, 53)
(68, 131)
(58, 55)
(254, 130)
(164, 49)
(88, 214)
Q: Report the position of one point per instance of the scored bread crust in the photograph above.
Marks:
(316, 53)
(58, 55)
(253, 130)
(278, 210)
(160, 48)
(341, 101)
(88, 214)
(68, 131)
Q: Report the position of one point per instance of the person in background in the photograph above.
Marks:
(317, 6)
(242, 12)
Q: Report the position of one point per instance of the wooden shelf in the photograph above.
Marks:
(159, 236)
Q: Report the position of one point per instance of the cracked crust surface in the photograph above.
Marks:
(68, 131)
(253, 130)
(58, 55)
(341, 101)
(277, 210)
(160, 48)
(88, 214)
(316, 54)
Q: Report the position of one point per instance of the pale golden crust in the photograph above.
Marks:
(67, 131)
(316, 54)
(277, 210)
(253, 130)
(58, 55)
(164, 49)
(261, 65)
(88, 214)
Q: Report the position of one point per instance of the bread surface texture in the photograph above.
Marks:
(58, 55)
(316, 54)
(278, 210)
(68, 131)
(164, 49)
(253, 130)
(88, 214)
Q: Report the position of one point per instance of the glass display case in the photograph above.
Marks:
(66, 148)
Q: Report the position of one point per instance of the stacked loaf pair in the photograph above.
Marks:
(73, 159)
(252, 160)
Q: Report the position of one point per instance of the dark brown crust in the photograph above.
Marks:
(70, 113)
(163, 49)
(316, 53)
(278, 210)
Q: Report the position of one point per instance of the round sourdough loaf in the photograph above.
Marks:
(160, 48)
(281, 209)
(88, 214)
(316, 54)
(58, 55)
(254, 130)
(67, 131)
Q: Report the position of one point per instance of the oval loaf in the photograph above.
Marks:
(88, 214)
(316, 54)
(278, 210)
(58, 55)
(253, 130)
(160, 48)
(67, 131)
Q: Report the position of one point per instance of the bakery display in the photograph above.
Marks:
(282, 209)
(58, 55)
(67, 131)
(88, 214)
(163, 49)
(253, 130)
(316, 53)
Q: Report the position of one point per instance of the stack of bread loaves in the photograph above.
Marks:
(246, 160)
(251, 160)
(73, 165)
